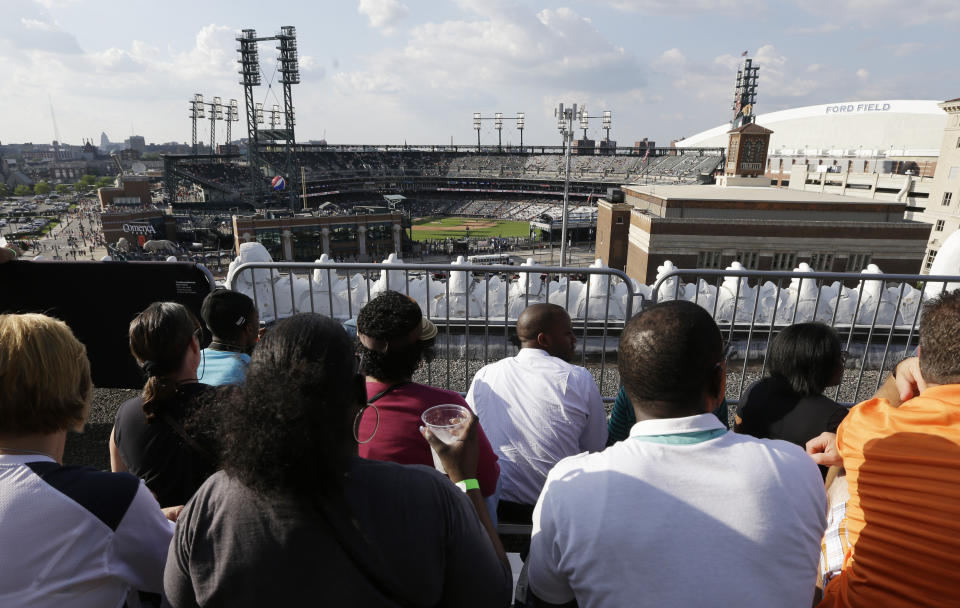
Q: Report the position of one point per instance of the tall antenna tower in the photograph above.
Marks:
(56, 129)
(745, 94)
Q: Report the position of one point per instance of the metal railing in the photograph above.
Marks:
(877, 320)
(474, 306)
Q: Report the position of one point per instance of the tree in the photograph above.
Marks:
(104, 182)
(62, 188)
(41, 188)
(23, 190)
(88, 180)
(4, 191)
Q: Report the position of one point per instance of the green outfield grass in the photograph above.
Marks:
(454, 227)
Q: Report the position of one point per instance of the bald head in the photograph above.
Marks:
(547, 327)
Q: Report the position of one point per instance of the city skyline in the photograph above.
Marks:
(386, 71)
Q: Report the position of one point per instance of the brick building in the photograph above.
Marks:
(699, 226)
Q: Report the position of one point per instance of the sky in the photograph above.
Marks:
(415, 71)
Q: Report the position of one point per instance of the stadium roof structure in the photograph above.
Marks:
(902, 124)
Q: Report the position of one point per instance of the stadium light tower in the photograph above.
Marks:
(498, 125)
(196, 111)
(216, 113)
(520, 121)
(607, 119)
(584, 122)
(476, 125)
(233, 115)
(565, 118)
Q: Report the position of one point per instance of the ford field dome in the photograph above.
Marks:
(909, 127)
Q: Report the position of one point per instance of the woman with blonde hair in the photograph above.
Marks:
(71, 536)
(153, 436)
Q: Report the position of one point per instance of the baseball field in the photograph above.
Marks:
(456, 227)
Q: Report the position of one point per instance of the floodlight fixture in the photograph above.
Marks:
(289, 64)
(275, 117)
(196, 111)
(249, 58)
(233, 115)
(476, 125)
(259, 113)
(218, 108)
(520, 123)
(607, 121)
(498, 125)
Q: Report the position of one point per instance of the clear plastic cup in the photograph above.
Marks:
(444, 421)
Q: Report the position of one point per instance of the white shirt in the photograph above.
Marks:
(536, 410)
(720, 519)
(73, 536)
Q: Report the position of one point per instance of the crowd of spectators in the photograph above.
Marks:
(307, 477)
(333, 164)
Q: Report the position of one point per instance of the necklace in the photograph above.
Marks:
(21, 451)
(224, 346)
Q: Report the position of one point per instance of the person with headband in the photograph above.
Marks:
(153, 436)
(234, 323)
(70, 535)
(393, 338)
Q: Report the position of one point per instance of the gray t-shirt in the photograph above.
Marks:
(234, 547)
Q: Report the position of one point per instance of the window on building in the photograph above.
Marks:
(619, 220)
(958, 142)
(709, 259)
(954, 172)
(929, 261)
(749, 259)
(946, 198)
(822, 261)
(784, 261)
(939, 226)
(857, 261)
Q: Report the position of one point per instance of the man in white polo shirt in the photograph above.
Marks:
(537, 408)
(683, 512)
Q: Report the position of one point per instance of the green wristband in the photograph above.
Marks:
(468, 484)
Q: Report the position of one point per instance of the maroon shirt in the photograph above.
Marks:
(398, 438)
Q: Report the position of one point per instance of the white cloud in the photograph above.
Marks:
(503, 45)
(906, 48)
(383, 14)
(659, 7)
(863, 74)
(865, 13)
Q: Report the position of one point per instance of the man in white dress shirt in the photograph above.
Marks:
(683, 512)
(537, 408)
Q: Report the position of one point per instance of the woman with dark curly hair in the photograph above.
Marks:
(393, 338)
(803, 360)
(151, 436)
(296, 518)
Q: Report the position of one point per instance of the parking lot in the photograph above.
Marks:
(29, 216)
